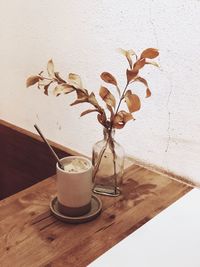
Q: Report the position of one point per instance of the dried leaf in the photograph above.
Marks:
(150, 53)
(82, 96)
(121, 118)
(42, 84)
(111, 112)
(41, 72)
(92, 100)
(126, 116)
(78, 101)
(132, 101)
(118, 125)
(139, 64)
(63, 88)
(153, 63)
(88, 111)
(60, 80)
(131, 74)
(108, 78)
(101, 118)
(32, 80)
(50, 68)
(122, 51)
(142, 80)
(118, 90)
(148, 92)
(81, 92)
(46, 87)
(75, 80)
(128, 54)
(106, 95)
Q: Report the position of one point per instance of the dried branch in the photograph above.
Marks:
(117, 118)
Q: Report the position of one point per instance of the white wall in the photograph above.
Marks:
(82, 37)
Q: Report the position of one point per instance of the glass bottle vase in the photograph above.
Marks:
(108, 162)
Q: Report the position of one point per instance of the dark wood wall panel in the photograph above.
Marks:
(24, 160)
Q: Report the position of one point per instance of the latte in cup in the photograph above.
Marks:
(76, 165)
(74, 186)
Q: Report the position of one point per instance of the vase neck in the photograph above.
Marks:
(108, 133)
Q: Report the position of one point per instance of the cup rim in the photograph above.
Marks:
(77, 157)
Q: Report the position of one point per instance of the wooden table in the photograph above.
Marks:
(31, 236)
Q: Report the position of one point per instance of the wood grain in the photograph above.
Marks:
(31, 236)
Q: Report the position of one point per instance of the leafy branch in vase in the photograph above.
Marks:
(114, 118)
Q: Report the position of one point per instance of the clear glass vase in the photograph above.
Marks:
(108, 162)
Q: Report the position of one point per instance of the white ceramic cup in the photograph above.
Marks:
(74, 189)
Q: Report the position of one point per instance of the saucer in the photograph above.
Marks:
(96, 206)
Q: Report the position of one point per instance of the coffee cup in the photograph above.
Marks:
(74, 186)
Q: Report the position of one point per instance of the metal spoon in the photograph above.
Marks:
(51, 149)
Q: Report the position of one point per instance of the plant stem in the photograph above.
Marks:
(48, 79)
(111, 143)
(121, 98)
(96, 168)
(111, 139)
(112, 147)
(118, 106)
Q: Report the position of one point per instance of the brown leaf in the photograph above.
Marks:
(150, 53)
(46, 87)
(41, 72)
(106, 95)
(32, 80)
(101, 118)
(63, 88)
(128, 54)
(139, 64)
(108, 78)
(81, 92)
(142, 80)
(118, 124)
(126, 116)
(121, 118)
(148, 92)
(131, 74)
(92, 100)
(78, 101)
(75, 80)
(60, 80)
(50, 68)
(88, 111)
(82, 96)
(111, 112)
(132, 101)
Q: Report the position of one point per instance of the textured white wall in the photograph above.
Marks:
(82, 37)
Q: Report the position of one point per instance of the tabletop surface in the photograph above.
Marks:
(31, 236)
(172, 238)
